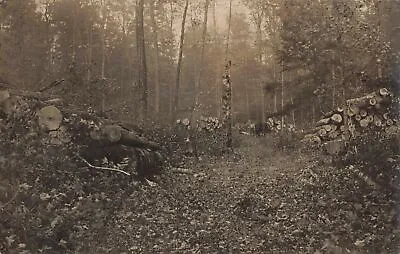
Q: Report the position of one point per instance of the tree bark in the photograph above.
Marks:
(157, 57)
(141, 56)
(196, 106)
(179, 66)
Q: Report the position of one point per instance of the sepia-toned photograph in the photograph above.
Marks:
(200, 126)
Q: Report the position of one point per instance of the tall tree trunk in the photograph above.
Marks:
(282, 94)
(156, 60)
(103, 56)
(73, 60)
(333, 74)
(275, 90)
(228, 35)
(89, 61)
(259, 18)
(217, 69)
(179, 66)
(171, 85)
(141, 56)
(200, 72)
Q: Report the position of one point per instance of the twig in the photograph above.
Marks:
(52, 85)
(181, 171)
(103, 168)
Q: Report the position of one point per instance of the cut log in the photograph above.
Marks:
(115, 134)
(328, 127)
(370, 118)
(386, 116)
(384, 92)
(373, 101)
(353, 110)
(49, 118)
(322, 132)
(377, 121)
(316, 140)
(112, 132)
(333, 134)
(337, 118)
(339, 109)
(363, 113)
(358, 117)
(364, 123)
(323, 121)
(389, 122)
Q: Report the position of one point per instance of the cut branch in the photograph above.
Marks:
(102, 168)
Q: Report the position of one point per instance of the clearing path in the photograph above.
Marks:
(258, 201)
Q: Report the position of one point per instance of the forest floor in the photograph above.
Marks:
(260, 200)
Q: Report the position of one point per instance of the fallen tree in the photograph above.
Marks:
(36, 114)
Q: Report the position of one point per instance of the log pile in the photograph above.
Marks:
(276, 125)
(55, 124)
(209, 124)
(371, 112)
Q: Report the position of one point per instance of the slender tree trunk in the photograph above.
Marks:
(103, 57)
(103, 49)
(157, 57)
(260, 59)
(89, 61)
(275, 90)
(293, 111)
(227, 61)
(200, 72)
(228, 36)
(74, 38)
(171, 85)
(179, 66)
(217, 69)
(333, 83)
(282, 94)
(141, 53)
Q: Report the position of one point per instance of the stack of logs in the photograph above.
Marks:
(209, 124)
(274, 125)
(57, 125)
(370, 112)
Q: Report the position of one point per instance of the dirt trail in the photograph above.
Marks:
(258, 201)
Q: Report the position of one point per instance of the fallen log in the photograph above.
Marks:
(115, 134)
(323, 121)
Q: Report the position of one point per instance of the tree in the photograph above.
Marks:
(141, 57)
(157, 57)
(197, 86)
(179, 65)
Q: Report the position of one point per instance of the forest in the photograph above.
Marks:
(199, 126)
